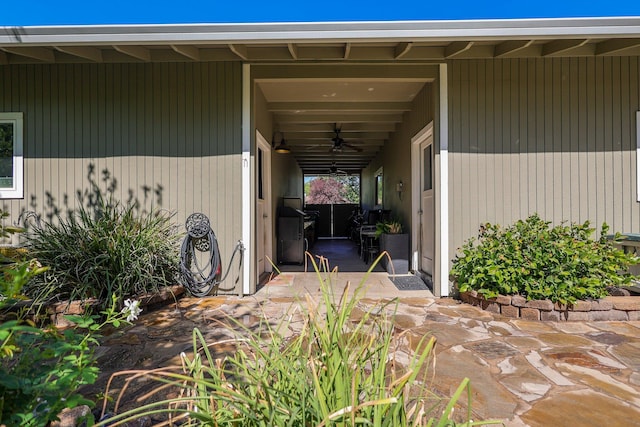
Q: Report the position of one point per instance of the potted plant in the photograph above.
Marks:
(396, 243)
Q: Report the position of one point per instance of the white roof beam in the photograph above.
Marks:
(345, 130)
(326, 136)
(293, 50)
(240, 50)
(345, 117)
(511, 46)
(39, 53)
(85, 52)
(190, 52)
(344, 106)
(615, 45)
(456, 48)
(347, 51)
(137, 52)
(558, 47)
(402, 49)
(319, 144)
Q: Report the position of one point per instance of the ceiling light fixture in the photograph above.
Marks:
(279, 145)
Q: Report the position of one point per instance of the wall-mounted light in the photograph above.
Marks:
(400, 189)
(278, 143)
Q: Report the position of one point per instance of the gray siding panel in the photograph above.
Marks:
(170, 134)
(395, 156)
(553, 136)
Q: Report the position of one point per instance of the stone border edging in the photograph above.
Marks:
(58, 310)
(611, 308)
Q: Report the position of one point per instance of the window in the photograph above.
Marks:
(11, 166)
(379, 187)
(426, 158)
(260, 174)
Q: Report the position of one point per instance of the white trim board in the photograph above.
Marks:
(416, 140)
(442, 279)
(246, 179)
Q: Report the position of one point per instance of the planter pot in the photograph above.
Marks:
(397, 245)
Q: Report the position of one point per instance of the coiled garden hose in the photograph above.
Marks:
(200, 280)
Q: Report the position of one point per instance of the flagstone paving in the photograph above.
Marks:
(522, 372)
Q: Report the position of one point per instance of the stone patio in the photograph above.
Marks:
(526, 373)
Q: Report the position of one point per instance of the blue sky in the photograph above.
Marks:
(51, 12)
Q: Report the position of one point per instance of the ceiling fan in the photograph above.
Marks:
(339, 144)
(333, 170)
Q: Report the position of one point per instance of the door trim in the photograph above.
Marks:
(263, 144)
(440, 186)
(416, 195)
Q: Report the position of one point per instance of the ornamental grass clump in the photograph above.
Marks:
(339, 365)
(108, 249)
(535, 260)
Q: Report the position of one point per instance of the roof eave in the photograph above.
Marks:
(300, 32)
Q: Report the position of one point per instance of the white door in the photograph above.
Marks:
(427, 207)
(263, 205)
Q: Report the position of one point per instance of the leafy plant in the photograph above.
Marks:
(110, 250)
(40, 369)
(530, 258)
(388, 227)
(338, 369)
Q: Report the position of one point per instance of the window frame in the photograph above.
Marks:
(379, 188)
(638, 156)
(17, 190)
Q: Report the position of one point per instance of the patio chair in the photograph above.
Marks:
(368, 246)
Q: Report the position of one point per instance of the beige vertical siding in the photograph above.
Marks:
(552, 136)
(169, 133)
(395, 158)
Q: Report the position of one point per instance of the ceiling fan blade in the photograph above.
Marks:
(351, 147)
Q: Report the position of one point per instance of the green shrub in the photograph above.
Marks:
(340, 369)
(42, 368)
(106, 250)
(533, 259)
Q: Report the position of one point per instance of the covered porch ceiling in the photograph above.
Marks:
(312, 113)
(307, 112)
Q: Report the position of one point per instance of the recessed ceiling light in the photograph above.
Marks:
(371, 89)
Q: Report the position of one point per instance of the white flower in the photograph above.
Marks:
(131, 309)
